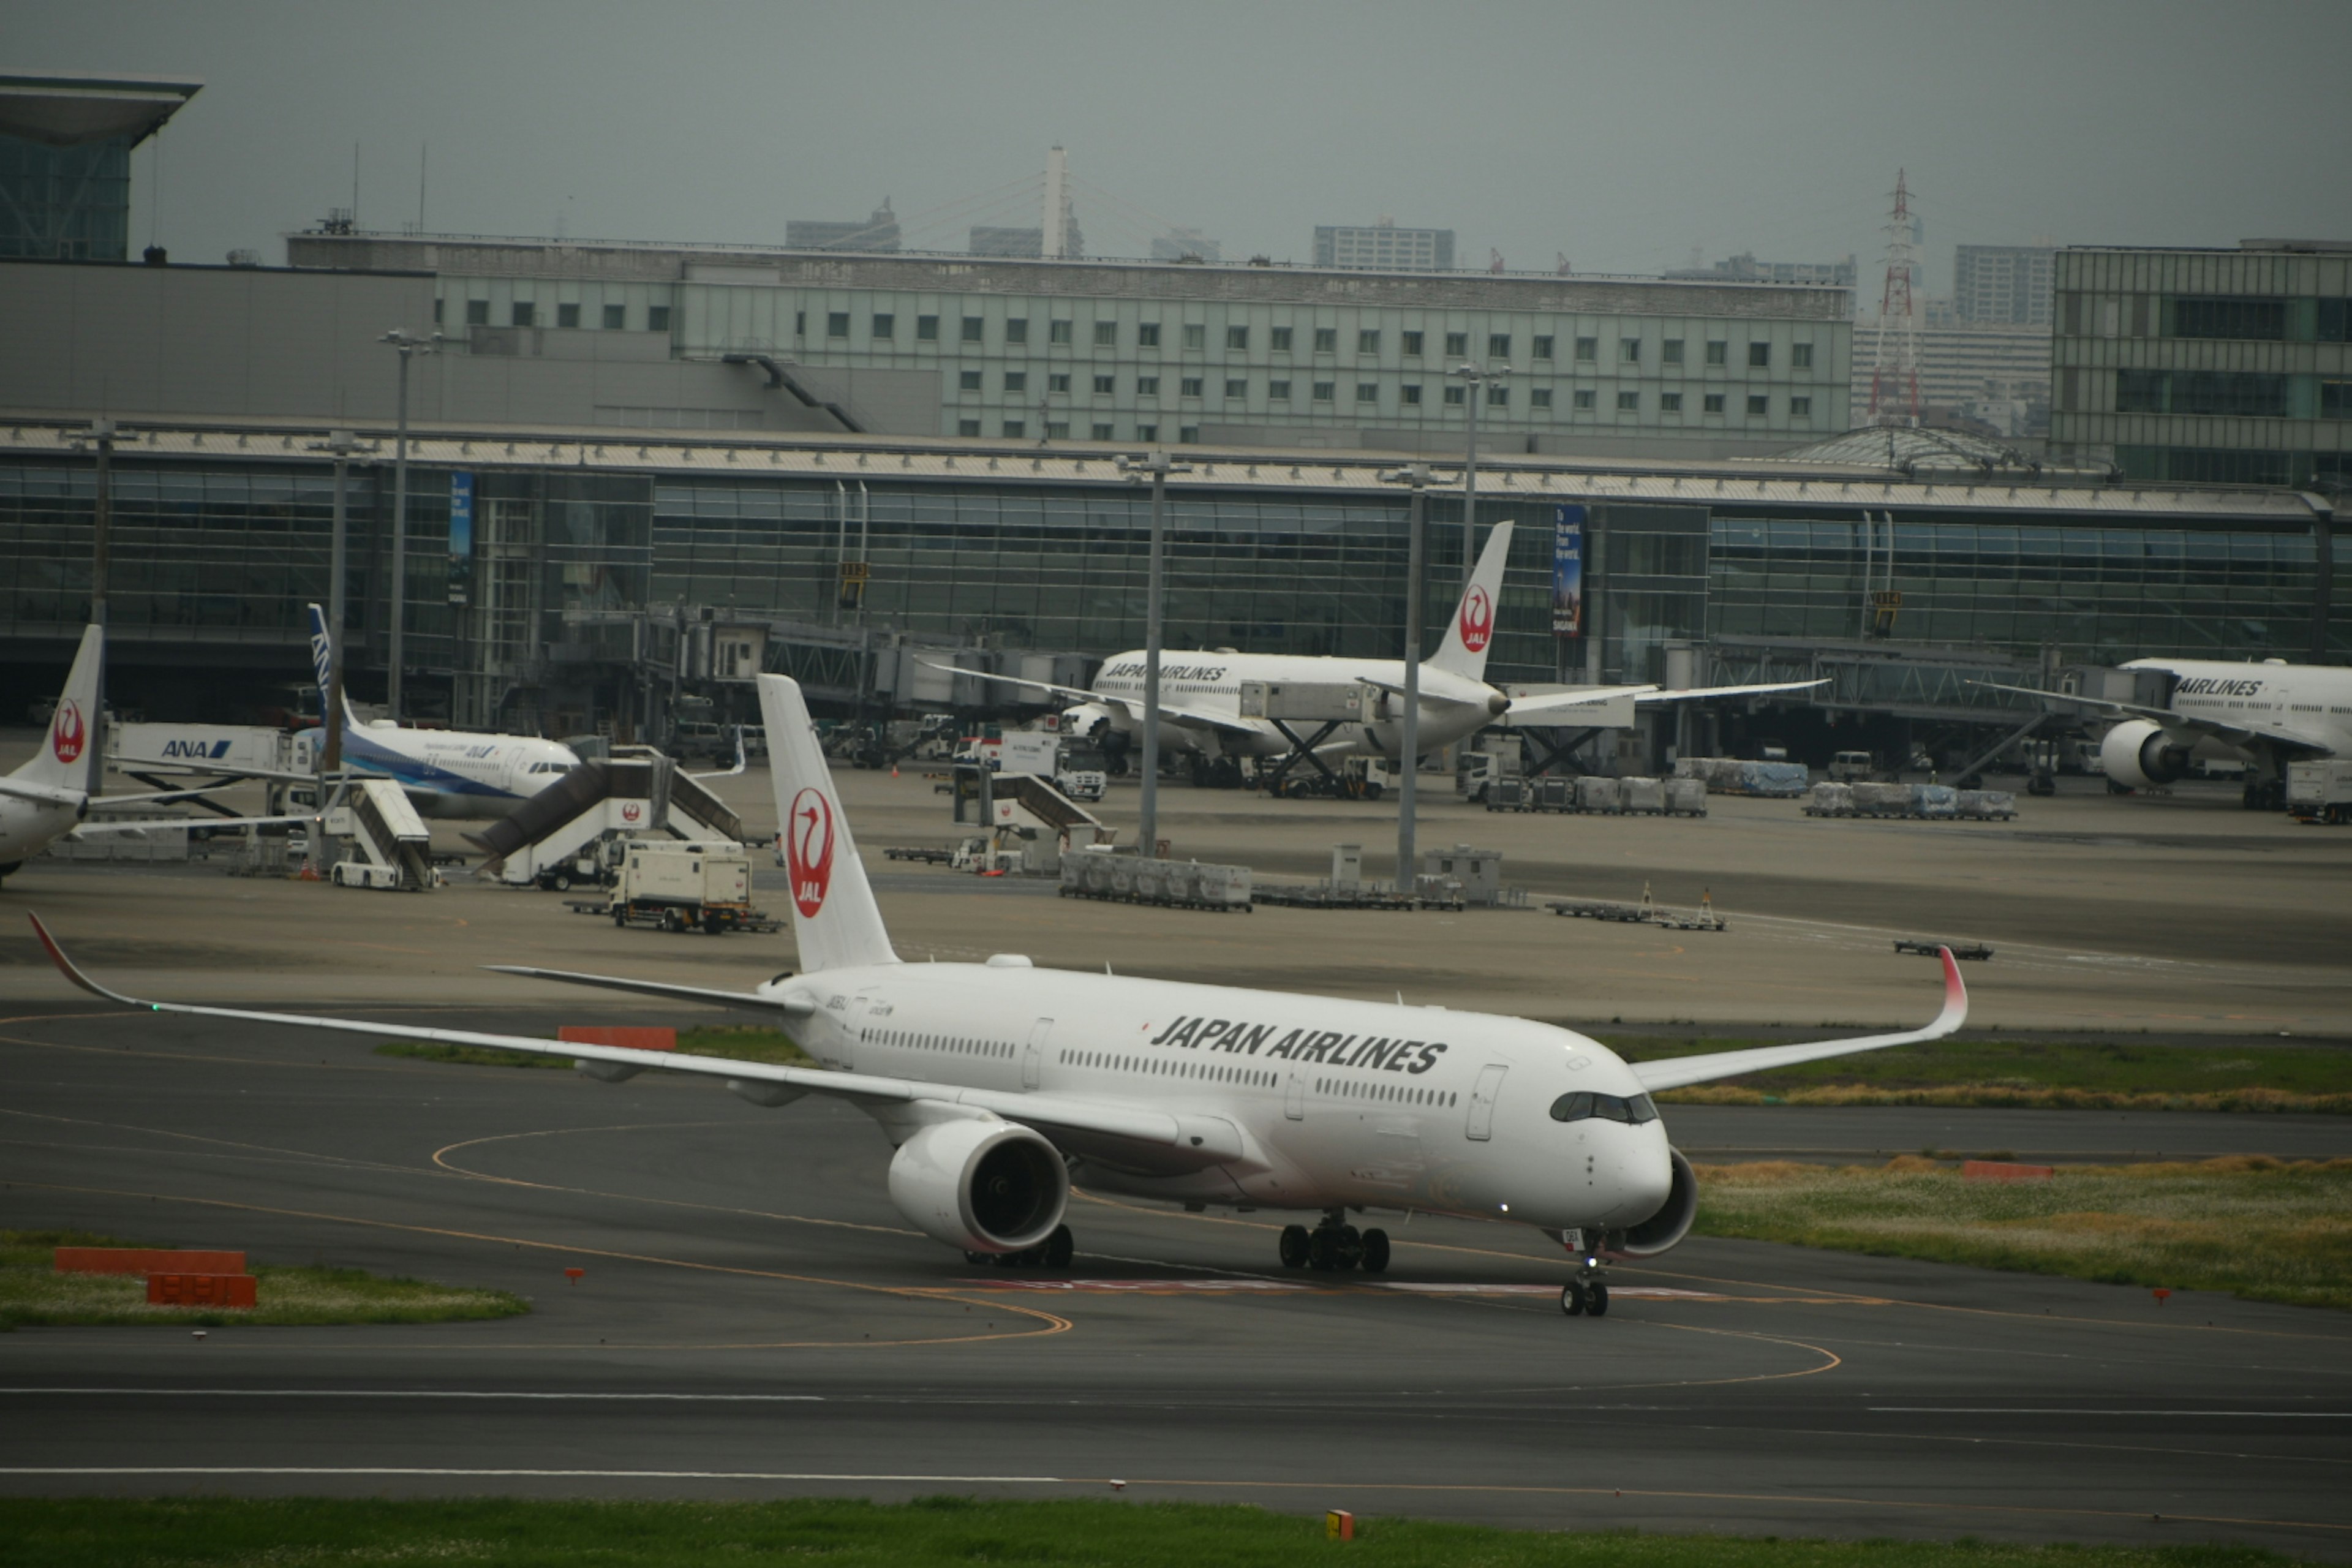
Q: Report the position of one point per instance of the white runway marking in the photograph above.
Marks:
(2037, 1410)
(420, 1393)
(373, 1471)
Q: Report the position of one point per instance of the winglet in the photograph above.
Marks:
(66, 968)
(1956, 997)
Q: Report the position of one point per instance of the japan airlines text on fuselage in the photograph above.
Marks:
(2311, 701)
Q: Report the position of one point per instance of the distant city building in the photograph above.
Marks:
(2207, 366)
(2003, 284)
(65, 159)
(1995, 376)
(876, 233)
(1745, 269)
(1384, 248)
(1178, 243)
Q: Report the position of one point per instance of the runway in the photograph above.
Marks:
(755, 1320)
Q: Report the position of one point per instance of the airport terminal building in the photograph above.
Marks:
(587, 536)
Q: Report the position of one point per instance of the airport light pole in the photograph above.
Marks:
(1154, 466)
(408, 346)
(100, 439)
(1475, 380)
(1415, 475)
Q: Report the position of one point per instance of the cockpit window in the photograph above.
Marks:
(1633, 1109)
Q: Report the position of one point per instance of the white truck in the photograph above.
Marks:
(1076, 766)
(2319, 791)
(704, 887)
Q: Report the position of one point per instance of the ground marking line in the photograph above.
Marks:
(2053, 1443)
(419, 1393)
(445, 1470)
(1055, 1324)
(2053, 1410)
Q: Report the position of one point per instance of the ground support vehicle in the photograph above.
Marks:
(1173, 884)
(704, 887)
(2319, 791)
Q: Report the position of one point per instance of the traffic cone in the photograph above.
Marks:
(894, 770)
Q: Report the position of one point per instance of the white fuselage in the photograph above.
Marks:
(2310, 701)
(27, 827)
(453, 773)
(1212, 682)
(1301, 1103)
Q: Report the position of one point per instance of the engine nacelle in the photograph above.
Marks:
(1671, 1223)
(978, 1186)
(2138, 754)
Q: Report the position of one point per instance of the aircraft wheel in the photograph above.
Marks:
(1376, 1251)
(1351, 1247)
(1596, 1298)
(1294, 1243)
(1571, 1298)
(977, 1260)
(1060, 1247)
(1323, 1250)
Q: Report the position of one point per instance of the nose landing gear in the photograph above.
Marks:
(1587, 1292)
(1335, 1246)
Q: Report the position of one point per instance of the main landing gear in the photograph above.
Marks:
(1054, 1252)
(1335, 1246)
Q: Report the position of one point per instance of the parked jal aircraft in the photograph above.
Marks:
(444, 773)
(1201, 690)
(1000, 1083)
(50, 797)
(2272, 713)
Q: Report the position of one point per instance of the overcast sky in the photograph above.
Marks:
(1622, 136)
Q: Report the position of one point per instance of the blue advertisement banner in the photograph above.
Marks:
(1568, 571)
(461, 535)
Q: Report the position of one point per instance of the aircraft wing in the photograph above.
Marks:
(1131, 706)
(47, 794)
(1119, 1126)
(1561, 708)
(207, 823)
(2237, 734)
(1674, 1072)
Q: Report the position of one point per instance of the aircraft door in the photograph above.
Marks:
(1033, 1060)
(1294, 1096)
(1481, 1126)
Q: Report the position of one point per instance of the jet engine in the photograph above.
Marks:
(2138, 754)
(980, 1185)
(1099, 723)
(1671, 1223)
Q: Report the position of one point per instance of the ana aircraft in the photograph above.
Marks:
(448, 774)
(48, 797)
(1201, 690)
(2271, 713)
(1000, 1083)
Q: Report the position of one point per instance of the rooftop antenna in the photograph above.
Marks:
(1895, 375)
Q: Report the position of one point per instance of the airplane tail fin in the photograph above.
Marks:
(322, 666)
(1463, 651)
(64, 760)
(835, 922)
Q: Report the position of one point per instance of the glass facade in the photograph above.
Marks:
(65, 203)
(216, 552)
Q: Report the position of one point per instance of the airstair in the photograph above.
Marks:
(551, 838)
(1032, 825)
(396, 847)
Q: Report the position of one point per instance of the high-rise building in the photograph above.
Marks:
(65, 159)
(1384, 248)
(2003, 284)
(2206, 366)
(877, 234)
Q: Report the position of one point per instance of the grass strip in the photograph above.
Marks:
(744, 1043)
(503, 1533)
(2259, 1228)
(2068, 1074)
(33, 1293)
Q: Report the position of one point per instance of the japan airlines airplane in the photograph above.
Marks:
(1000, 1083)
(448, 774)
(48, 797)
(1201, 690)
(2272, 713)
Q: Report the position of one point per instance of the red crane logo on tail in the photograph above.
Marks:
(808, 850)
(67, 734)
(1477, 619)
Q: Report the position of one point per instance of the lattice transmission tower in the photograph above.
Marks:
(1895, 375)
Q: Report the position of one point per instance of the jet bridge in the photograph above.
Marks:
(639, 793)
